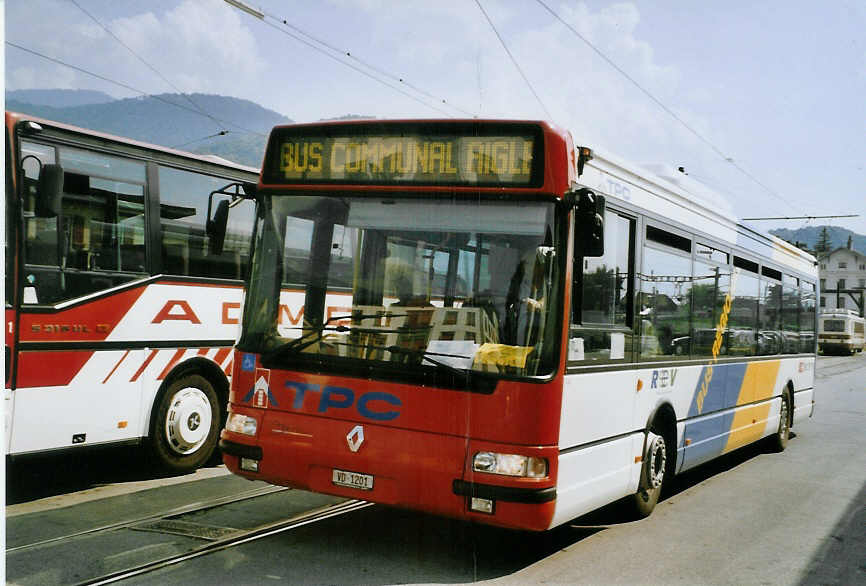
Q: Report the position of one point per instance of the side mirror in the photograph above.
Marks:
(216, 227)
(589, 233)
(49, 191)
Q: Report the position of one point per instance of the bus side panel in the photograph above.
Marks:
(740, 405)
(67, 398)
(106, 393)
(591, 477)
(596, 441)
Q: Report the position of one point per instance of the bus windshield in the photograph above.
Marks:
(382, 282)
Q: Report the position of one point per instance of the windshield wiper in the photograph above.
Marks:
(426, 355)
(310, 338)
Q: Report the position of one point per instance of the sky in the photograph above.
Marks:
(765, 101)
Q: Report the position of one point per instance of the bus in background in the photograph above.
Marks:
(477, 319)
(121, 308)
(841, 331)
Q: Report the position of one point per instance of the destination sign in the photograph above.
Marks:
(406, 158)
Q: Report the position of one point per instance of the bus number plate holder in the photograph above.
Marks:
(352, 479)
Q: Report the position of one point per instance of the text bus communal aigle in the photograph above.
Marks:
(499, 327)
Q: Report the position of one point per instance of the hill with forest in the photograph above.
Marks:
(191, 122)
(810, 237)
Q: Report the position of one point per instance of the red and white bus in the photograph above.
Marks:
(121, 309)
(479, 320)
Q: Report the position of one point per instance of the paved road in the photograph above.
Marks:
(752, 517)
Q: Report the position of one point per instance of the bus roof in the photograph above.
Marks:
(14, 118)
(684, 202)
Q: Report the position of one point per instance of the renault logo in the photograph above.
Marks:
(355, 438)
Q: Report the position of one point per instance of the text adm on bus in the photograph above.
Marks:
(476, 319)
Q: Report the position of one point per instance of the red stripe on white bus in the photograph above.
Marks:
(122, 358)
(221, 355)
(50, 369)
(174, 360)
(143, 366)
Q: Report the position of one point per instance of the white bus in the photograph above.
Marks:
(842, 331)
(121, 308)
(527, 373)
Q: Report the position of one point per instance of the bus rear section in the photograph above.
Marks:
(401, 330)
(841, 331)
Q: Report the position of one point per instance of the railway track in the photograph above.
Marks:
(133, 546)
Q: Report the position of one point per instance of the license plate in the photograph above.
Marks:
(352, 479)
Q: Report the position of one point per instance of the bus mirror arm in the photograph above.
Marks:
(216, 225)
(589, 211)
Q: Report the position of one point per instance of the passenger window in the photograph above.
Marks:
(711, 334)
(807, 317)
(790, 315)
(770, 318)
(602, 316)
(98, 241)
(743, 319)
(183, 214)
(663, 307)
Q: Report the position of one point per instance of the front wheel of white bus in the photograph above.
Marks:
(185, 427)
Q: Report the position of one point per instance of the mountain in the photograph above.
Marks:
(809, 236)
(192, 122)
(59, 98)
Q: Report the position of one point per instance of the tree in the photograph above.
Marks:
(823, 244)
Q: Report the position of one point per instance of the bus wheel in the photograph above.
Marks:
(780, 438)
(186, 424)
(652, 476)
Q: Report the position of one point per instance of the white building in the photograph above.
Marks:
(843, 279)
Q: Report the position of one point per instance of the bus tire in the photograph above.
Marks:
(655, 473)
(186, 424)
(779, 440)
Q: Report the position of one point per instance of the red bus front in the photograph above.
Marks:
(404, 317)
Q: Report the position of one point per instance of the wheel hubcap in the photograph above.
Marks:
(188, 420)
(657, 455)
(783, 419)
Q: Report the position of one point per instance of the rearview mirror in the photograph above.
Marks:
(49, 191)
(589, 220)
(216, 227)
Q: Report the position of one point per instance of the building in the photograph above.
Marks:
(843, 279)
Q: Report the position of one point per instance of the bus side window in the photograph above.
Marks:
(99, 234)
(602, 312)
(183, 209)
(807, 316)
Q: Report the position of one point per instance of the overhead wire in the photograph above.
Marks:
(145, 63)
(513, 60)
(367, 64)
(220, 133)
(670, 112)
(121, 84)
(353, 67)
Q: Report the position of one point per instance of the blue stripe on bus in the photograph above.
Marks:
(708, 435)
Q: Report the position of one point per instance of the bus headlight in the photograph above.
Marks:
(240, 423)
(510, 464)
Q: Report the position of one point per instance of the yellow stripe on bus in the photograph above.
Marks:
(749, 422)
